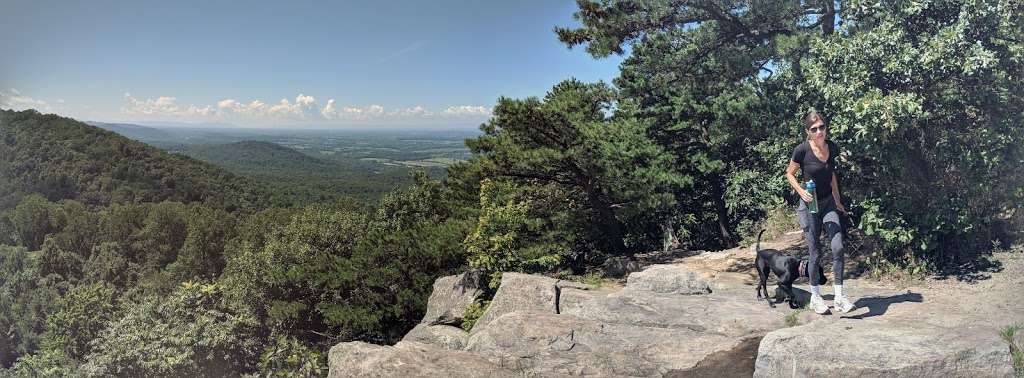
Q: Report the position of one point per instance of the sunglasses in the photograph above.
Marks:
(816, 129)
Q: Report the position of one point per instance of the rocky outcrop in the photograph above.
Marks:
(723, 315)
(668, 279)
(561, 345)
(571, 298)
(442, 336)
(700, 317)
(525, 293)
(875, 348)
(451, 296)
(661, 323)
(408, 359)
(664, 323)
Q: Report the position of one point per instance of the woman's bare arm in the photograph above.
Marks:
(835, 193)
(791, 178)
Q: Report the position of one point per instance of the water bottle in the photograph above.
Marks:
(813, 205)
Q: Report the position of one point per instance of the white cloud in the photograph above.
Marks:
(14, 100)
(468, 110)
(256, 107)
(305, 101)
(358, 113)
(161, 106)
(329, 112)
(302, 108)
(204, 111)
(413, 112)
(228, 104)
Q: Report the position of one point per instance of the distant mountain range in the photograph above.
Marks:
(163, 136)
(308, 165)
(188, 125)
(136, 132)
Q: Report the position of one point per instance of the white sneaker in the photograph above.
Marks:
(818, 305)
(843, 304)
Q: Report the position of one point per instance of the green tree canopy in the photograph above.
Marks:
(609, 177)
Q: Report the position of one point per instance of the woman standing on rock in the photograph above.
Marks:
(816, 159)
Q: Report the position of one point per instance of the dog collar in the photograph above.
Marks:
(803, 268)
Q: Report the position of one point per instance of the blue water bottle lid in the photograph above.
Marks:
(810, 184)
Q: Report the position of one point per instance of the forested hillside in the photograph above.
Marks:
(61, 158)
(293, 177)
(250, 154)
(121, 259)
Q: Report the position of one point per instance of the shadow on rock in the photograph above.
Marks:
(972, 271)
(665, 257)
(800, 296)
(879, 305)
(742, 266)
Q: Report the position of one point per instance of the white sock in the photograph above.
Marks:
(815, 292)
(839, 291)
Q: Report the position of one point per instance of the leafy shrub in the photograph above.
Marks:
(289, 357)
(473, 313)
(502, 240)
(931, 154)
(191, 332)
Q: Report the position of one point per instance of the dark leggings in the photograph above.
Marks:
(827, 217)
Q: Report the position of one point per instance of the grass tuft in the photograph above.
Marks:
(1016, 350)
(791, 320)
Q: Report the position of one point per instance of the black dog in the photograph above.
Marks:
(787, 269)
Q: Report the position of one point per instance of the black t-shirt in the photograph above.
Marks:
(815, 169)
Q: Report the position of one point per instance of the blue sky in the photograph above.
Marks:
(285, 63)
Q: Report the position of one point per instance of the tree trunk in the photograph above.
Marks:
(606, 219)
(828, 17)
(723, 214)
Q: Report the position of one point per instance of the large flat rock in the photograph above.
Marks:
(548, 344)
(668, 322)
(739, 316)
(874, 348)
(408, 359)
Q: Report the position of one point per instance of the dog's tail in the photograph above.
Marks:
(758, 248)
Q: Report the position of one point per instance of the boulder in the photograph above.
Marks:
(441, 336)
(668, 279)
(408, 359)
(521, 292)
(451, 296)
(871, 348)
(736, 316)
(620, 266)
(548, 344)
